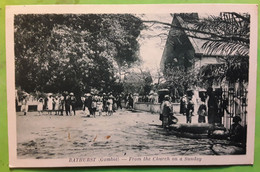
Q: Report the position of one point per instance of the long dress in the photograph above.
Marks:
(40, 106)
(57, 104)
(110, 105)
(166, 110)
(24, 107)
(202, 112)
(50, 103)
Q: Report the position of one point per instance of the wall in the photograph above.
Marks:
(154, 108)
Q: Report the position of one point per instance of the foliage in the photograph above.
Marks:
(227, 33)
(138, 82)
(54, 53)
(178, 78)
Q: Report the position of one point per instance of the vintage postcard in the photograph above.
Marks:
(131, 85)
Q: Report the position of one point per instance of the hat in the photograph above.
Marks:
(236, 119)
(166, 97)
(71, 94)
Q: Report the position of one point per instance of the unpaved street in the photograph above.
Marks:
(124, 133)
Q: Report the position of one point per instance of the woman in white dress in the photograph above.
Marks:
(40, 106)
(57, 105)
(110, 105)
(50, 104)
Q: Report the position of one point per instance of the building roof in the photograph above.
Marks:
(197, 44)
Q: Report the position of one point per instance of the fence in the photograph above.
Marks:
(235, 98)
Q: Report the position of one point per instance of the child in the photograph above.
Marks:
(40, 106)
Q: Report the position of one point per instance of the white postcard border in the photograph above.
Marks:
(14, 162)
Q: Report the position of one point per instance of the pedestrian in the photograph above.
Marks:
(110, 105)
(56, 105)
(50, 104)
(166, 110)
(94, 106)
(82, 101)
(62, 103)
(104, 99)
(73, 102)
(24, 107)
(202, 112)
(88, 103)
(189, 111)
(212, 106)
(183, 105)
(118, 100)
(40, 106)
(67, 103)
(131, 101)
(99, 106)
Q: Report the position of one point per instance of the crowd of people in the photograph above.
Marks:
(106, 104)
(66, 104)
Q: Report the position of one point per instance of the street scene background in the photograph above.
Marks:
(92, 85)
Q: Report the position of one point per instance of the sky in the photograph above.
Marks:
(151, 48)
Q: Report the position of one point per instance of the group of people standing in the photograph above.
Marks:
(66, 103)
(58, 104)
(107, 103)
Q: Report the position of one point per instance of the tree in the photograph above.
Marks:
(138, 82)
(71, 52)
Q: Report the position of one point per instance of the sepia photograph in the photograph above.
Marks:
(129, 86)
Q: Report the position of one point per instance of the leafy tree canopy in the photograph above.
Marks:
(71, 52)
